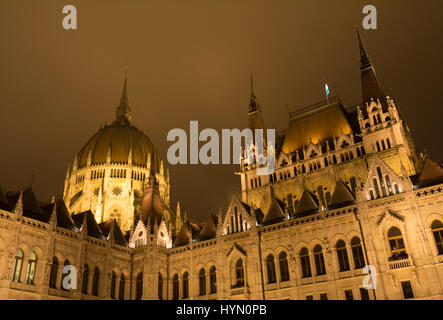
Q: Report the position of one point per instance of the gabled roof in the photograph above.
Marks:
(152, 208)
(308, 204)
(275, 212)
(259, 215)
(109, 225)
(341, 196)
(31, 207)
(209, 229)
(91, 225)
(183, 236)
(432, 173)
(64, 219)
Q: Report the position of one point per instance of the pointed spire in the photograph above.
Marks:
(89, 160)
(130, 155)
(53, 217)
(149, 161)
(84, 225)
(364, 58)
(109, 154)
(253, 105)
(18, 209)
(370, 86)
(123, 114)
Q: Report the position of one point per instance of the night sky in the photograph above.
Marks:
(191, 60)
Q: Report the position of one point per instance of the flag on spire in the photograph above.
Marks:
(326, 89)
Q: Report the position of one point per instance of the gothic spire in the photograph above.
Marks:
(253, 105)
(370, 86)
(364, 59)
(123, 114)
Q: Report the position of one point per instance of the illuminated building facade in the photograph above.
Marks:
(349, 191)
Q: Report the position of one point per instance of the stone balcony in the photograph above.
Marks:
(400, 263)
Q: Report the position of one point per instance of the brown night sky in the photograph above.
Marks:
(191, 60)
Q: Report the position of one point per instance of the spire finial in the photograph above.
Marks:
(364, 59)
(123, 115)
(252, 85)
(253, 105)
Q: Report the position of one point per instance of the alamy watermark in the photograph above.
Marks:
(370, 281)
(258, 148)
(69, 276)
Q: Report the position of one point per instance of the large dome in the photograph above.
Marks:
(119, 140)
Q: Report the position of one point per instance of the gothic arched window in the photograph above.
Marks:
(175, 287)
(62, 286)
(357, 253)
(95, 281)
(239, 273)
(284, 267)
(388, 182)
(270, 268)
(113, 284)
(382, 182)
(437, 230)
(85, 279)
(185, 285)
(121, 287)
(396, 243)
(160, 286)
(54, 272)
(342, 255)
(212, 280)
(30, 270)
(18, 262)
(319, 260)
(202, 282)
(139, 286)
(305, 263)
(377, 190)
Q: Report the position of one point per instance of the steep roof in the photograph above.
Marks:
(308, 204)
(91, 225)
(432, 173)
(152, 208)
(109, 225)
(341, 196)
(31, 207)
(209, 229)
(275, 212)
(183, 236)
(64, 219)
(371, 88)
(317, 123)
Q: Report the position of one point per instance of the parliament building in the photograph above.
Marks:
(352, 211)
